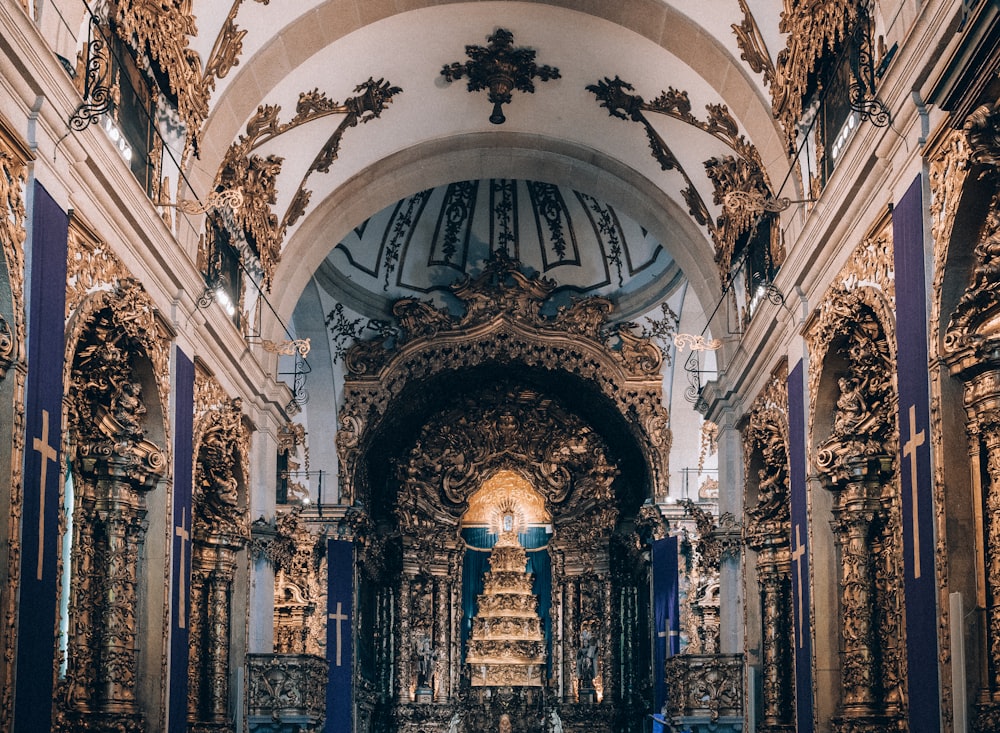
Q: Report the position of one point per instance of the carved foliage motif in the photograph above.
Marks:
(256, 175)
(13, 160)
(765, 443)
(502, 323)
(222, 458)
(974, 322)
(743, 173)
(856, 461)
(113, 465)
(813, 29)
(467, 442)
(863, 424)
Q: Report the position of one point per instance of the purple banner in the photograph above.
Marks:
(36, 632)
(180, 572)
(797, 471)
(666, 615)
(915, 462)
(339, 625)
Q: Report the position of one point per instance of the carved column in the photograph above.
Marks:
(570, 635)
(405, 678)
(441, 641)
(857, 518)
(220, 532)
(774, 577)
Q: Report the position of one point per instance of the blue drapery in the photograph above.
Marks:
(479, 541)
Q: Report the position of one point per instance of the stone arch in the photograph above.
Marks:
(116, 448)
(855, 510)
(220, 531)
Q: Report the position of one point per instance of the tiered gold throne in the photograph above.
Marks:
(507, 646)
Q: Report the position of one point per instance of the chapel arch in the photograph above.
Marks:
(856, 513)
(115, 446)
(966, 308)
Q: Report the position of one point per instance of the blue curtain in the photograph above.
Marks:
(480, 541)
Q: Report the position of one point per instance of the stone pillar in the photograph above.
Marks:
(731, 477)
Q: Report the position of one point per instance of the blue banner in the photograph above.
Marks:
(47, 255)
(339, 626)
(180, 571)
(915, 462)
(666, 615)
(797, 471)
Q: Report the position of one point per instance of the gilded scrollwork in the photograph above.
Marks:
(222, 458)
(856, 461)
(14, 156)
(502, 322)
(256, 175)
(113, 466)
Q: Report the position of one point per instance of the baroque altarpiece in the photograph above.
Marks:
(495, 482)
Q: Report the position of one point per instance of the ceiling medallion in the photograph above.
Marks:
(501, 69)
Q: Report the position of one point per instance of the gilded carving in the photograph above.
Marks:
(113, 464)
(742, 174)
(768, 529)
(287, 688)
(855, 459)
(812, 30)
(14, 156)
(501, 69)
(245, 170)
(705, 686)
(753, 50)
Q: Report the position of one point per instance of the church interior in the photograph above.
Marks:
(490, 366)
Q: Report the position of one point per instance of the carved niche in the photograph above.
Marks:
(502, 323)
(767, 532)
(113, 466)
(220, 530)
(970, 349)
(856, 461)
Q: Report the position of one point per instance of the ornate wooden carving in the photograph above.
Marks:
(113, 465)
(856, 462)
(767, 531)
(220, 530)
(970, 349)
(14, 157)
(501, 324)
(256, 230)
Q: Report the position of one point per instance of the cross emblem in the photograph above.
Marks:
(797, 555)
(339, 616)
(666, 634)
(48, 453)
(181, 531)
(910, 451)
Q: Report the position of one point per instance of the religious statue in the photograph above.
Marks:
(456, 722)
(555, 722)
(426, 656)
(586, 659)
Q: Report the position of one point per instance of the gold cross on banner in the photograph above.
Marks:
(181, 531)
(338, 617)
(910, 451)
(48, 453)
(797, 554)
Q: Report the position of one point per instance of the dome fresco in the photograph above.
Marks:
(423, 243)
